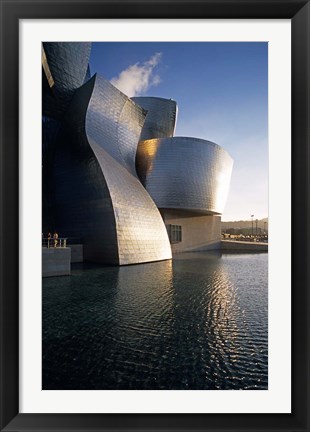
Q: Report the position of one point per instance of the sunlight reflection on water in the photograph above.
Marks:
(197, 322)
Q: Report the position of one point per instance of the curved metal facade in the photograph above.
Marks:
(50, 133)
(185, 173)
(114, 122)
(68, 63)
(65, 66)
(113, 127)
(98, 187)
(99, 197)
(161, 117)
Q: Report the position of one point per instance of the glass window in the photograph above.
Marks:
(175, 233)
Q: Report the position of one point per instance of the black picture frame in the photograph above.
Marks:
(14, 10)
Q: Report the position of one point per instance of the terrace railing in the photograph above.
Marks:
(59, 242)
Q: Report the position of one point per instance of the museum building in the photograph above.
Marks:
(113, 173)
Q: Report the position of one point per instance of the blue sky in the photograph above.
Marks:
(222, 94)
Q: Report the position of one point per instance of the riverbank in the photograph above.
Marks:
(232, 245)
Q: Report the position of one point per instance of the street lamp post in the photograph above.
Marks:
(252, 216)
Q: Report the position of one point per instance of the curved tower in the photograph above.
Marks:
(185, 173)
(188, 179)
(99, 197)
(160, 119)
(123, 204)
(65, 68)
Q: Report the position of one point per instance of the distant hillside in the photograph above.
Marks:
(245, 224)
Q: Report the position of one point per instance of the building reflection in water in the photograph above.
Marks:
(197, 322)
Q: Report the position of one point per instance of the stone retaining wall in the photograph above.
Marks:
(56, 261)
(229, 245)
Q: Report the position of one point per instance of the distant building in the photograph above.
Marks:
(113, 173)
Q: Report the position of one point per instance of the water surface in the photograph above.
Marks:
(197, 322)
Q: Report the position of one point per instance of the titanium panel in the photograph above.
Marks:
(82, 206)
(68, 63)
(161, 117)
(50, 134)
(65, 68)
(114, 122)
(99, 197)
(88, 75)
(185, 173)
(91, 188)
(113, 127)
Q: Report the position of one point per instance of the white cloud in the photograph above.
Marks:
(138, 78)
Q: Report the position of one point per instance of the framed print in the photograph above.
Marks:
(156, 329)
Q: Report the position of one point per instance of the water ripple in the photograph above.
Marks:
(198, 322)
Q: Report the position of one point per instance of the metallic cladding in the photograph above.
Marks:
(91, 188)
(51, 129)
(82, 206)
(185, 173)
(161, 117)
(65, 67)
(113, 127)
(88, 75)
(68, 62)
(99, 197)
(114, 122)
